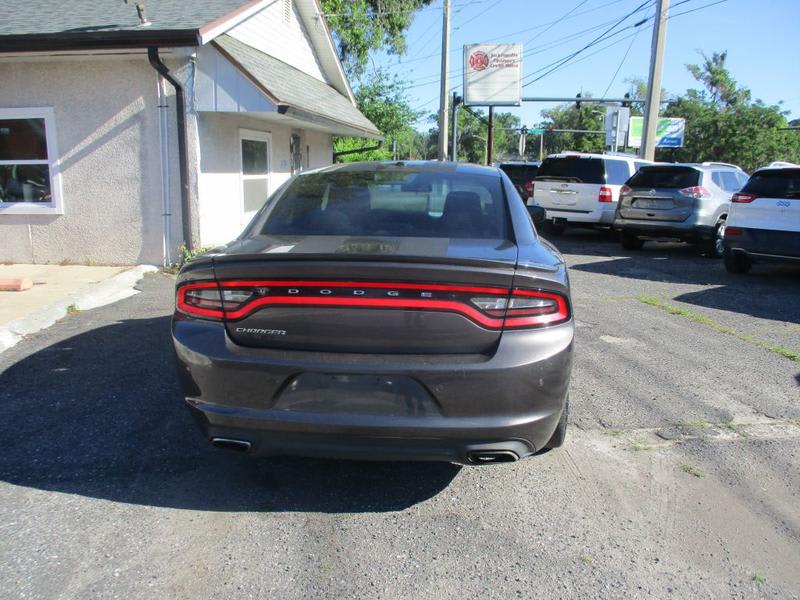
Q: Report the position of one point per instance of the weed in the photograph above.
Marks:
(794, 421)
(733, 427)
(697, 424)
(586, 559)
(758, 578)
(185, 255)
(613, 432)
(90, 262)
(718, 327)
(65, 263)
(73, 310)
(692, 470)
(639, 446)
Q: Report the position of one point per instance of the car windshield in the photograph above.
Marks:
(390, 202)
(778, 183)
(575, 169)
(664, 177)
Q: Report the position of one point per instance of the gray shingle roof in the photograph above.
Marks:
(30, 17)
(294, 88)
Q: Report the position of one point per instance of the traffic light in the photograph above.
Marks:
(578, 101)
(627, 102)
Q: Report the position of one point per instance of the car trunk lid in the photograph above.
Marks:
(376, 294)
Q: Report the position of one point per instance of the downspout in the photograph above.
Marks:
(166, 209)
(183, 167)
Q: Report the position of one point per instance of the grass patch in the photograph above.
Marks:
(692, 470)
(185, 256)
(794, 421)
(618, 432)
(758, 579)
(731, 426)
(639, 446)
(586, 559)
(73, 310)
(719, 327)
(698, 424)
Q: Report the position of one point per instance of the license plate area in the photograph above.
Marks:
(377, 395)
(653, 203)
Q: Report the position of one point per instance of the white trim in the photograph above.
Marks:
(56, 207)
(258, 136)
(207, 36)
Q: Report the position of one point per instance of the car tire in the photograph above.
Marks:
(736, 262)
(714, 248)
(560, 434)
(631, 242)
(556, 229)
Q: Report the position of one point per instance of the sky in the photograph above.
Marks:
(760, 36)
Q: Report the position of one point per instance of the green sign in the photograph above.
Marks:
(669, 132)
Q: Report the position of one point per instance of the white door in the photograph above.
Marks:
(256, 154)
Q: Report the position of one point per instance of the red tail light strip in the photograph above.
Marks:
(521, 318)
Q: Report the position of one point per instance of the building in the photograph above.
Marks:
(127, 128)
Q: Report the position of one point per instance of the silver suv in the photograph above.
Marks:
(687, 202)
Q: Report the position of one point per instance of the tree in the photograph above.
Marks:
(363, 25)
(568, 116)
(724, 124)
(383, 101)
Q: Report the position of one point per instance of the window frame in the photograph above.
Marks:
(254, 136)
(53, 162)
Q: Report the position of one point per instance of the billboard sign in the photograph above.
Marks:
(492, 74)
(669, 132)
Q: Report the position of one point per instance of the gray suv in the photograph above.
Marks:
(686, 202)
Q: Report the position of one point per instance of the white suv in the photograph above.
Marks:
(764, 222)
(579, 188)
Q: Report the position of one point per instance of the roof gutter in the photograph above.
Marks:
(183, 165)
(306, 115)
(99, 40)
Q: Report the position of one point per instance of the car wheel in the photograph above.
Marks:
(715, 248)
(560, 434)
(736, 262)
(631, 242)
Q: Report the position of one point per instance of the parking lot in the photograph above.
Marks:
(680, 476)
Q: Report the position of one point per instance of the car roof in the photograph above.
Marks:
(520, 163)
(429, 166)
(706, 166)
(594, 155)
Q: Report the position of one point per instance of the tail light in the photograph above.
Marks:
(696, 191)
(625, 189)
(605, 194)
(489, 307)
(529, 188)
(733, 232)
(741, 198)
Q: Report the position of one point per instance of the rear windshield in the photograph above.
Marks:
(574, 169)
(665, 177)
(778, 183)
(520, 173)
(398, 202)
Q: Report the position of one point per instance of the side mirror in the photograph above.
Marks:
(537, 213)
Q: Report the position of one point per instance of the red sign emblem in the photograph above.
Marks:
(478, 60)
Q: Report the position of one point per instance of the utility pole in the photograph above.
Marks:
(648, 148)
(490, 137)
(443, 84)
(454, 125)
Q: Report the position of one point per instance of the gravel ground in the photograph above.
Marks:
(680, 476)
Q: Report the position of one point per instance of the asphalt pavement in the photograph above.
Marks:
(680, 476)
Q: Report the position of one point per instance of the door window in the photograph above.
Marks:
(255, 152)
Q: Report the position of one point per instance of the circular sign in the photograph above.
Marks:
(478, 60)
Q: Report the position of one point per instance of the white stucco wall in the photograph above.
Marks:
(106, 117)
(220, 168)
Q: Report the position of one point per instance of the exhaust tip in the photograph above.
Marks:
(231, 444)
(486, 457)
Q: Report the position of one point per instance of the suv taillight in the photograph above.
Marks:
(529, 188)
(743, 198)
(624, 189)
(605, 194)
(696, 191)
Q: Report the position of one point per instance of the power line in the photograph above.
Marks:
(557, 21)
(622, 62)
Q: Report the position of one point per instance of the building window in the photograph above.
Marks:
(29, 178)
(255, 157)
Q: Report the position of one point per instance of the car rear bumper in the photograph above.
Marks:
(678, 230)
(766, 245)
(599, 216)
(420, 407)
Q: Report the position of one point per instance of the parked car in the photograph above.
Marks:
(521, 175)
(581, 189)
(381, 311)
(764, 221)
(686, 202)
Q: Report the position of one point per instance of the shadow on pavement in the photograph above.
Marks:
(100, 415)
